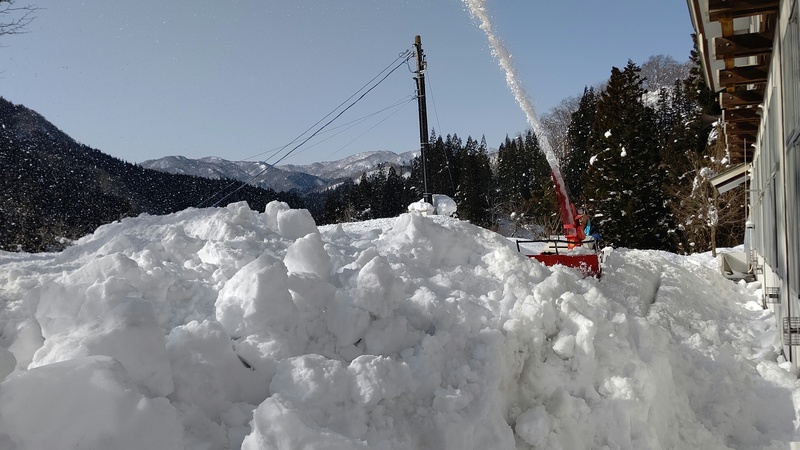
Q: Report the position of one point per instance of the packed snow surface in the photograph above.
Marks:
(227, 328)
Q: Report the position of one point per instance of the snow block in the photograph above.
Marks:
(256, 298)
(295, 223)
(87, 403)
(107, 320)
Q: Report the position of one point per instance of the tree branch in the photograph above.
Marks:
(15, 19)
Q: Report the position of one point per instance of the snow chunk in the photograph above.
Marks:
(308, 255)
(207, 371)
(444, 205)
(564, 346)
(378, 377)
(296, 223)
(377, 290)
(421, 207)
(94, 404)
(533, 426)
(271, 213)
(256, 298)
(107, 318)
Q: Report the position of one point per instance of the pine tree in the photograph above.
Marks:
(542, 203)
(578, 134)
(393, 199)
(475, 181)
(625, 178)
(510, 171)
(438, 157)
(702, 218)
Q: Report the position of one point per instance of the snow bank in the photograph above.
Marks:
(228, 328)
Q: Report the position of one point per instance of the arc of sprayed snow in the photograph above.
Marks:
(499, 51)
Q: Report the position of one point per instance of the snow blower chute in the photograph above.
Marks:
(573, 249)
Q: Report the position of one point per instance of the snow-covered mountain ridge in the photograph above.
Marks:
(290, 177)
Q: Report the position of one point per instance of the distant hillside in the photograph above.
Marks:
(353, 166)
(257, 173)
(54, 189)
(297, 178)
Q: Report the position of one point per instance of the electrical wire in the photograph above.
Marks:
(342, 128)
(436, 113)
(346, 126)
(405, 55)
(371, 128)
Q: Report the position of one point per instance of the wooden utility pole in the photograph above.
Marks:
(423, 116)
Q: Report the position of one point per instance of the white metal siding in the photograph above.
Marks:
(790, 65)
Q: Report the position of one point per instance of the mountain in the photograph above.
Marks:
(353, 166)
(54, 189)
(252, 172)
(298, 178)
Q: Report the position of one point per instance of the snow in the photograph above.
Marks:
(227, 328)
(442, 206)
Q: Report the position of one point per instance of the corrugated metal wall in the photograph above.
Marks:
(774, 196)
(790, 62)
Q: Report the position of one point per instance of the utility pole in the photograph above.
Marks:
(423, 117)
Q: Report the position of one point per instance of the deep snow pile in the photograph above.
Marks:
(226, 328)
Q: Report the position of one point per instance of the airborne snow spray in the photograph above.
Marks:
(499, 52)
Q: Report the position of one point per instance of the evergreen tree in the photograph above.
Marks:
(438, 158)
(475, 177)
(524, 182)
(542, 203)
(697, 90)
(393, 201)
(625, 178)
(578, 135)
(702, 218)
(447, 176)
(510, 172)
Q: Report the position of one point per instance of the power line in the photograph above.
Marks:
(398, 105)
(405, 56)
(370, 128)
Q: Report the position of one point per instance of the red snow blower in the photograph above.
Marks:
(573, 249)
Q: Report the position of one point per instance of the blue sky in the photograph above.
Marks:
(147, 79)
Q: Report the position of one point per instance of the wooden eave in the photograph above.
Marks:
(742, 115)
(742, 127)
(743, 97)
(744, 75)
(743, 45)
(742, 136)
(737, 67)
(720, 9)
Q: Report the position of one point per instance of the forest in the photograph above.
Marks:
(636, 151)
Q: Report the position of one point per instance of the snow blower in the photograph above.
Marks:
(573, 249)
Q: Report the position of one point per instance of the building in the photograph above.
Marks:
(750, 51)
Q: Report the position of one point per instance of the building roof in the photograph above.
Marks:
(735, 38)
(731, 178)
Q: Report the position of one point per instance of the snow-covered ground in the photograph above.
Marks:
(224, 328)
